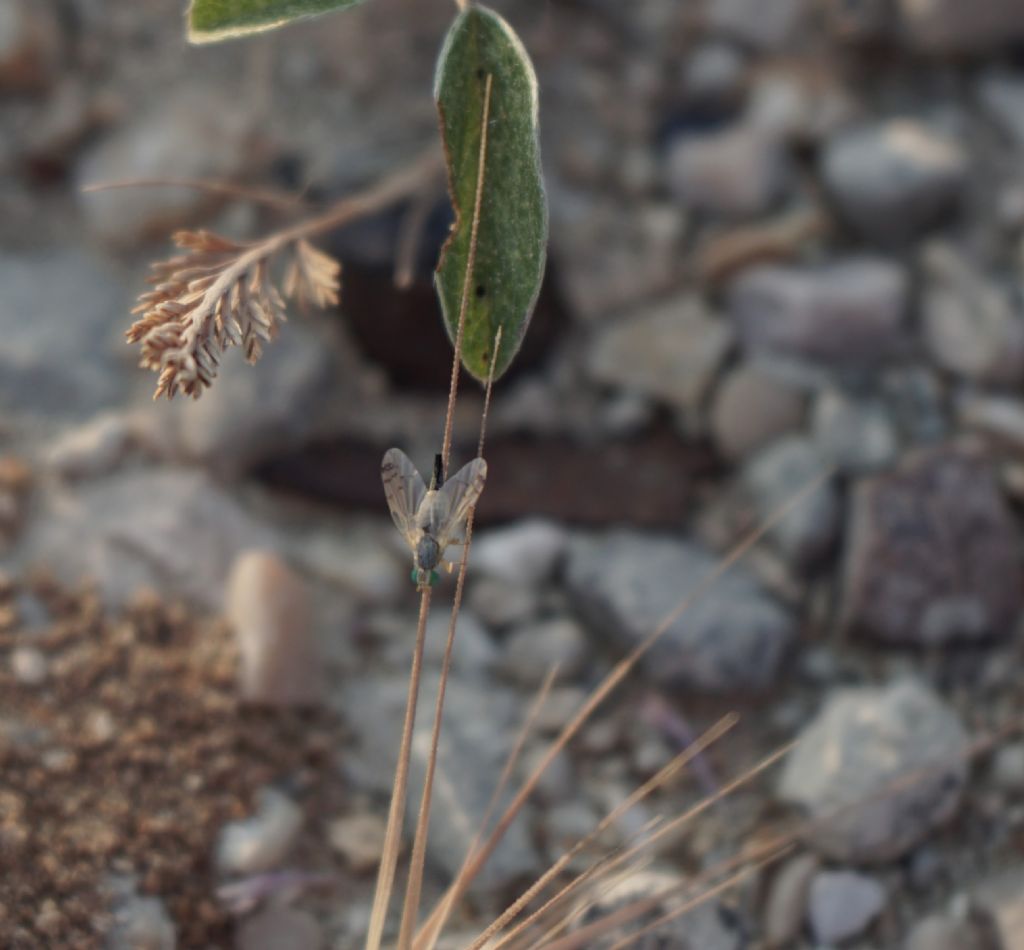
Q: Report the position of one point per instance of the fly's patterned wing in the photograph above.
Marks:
(403, 489)
(455, 497)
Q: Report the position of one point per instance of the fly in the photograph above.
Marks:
(430, 519)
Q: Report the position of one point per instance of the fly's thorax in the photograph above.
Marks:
(432, 515)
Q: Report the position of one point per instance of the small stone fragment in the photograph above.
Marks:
(786, 904)
(263, 841)
(856, 436)
(851, 765)
(269, 608)
(142, 923)
(279, 928)
(29, 665)
(526, 552)
(752, 408)
(843, 904)
(894, 180)
(532, 650)
(359, 839)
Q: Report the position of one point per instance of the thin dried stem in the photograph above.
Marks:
(467, 283)
(624, 666)
(410, 237)
(431, 930)
(663, 775)
(271, 197)
(219, 293)
(393, 834)
(411, 905)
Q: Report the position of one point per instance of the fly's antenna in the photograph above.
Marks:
(438, 477)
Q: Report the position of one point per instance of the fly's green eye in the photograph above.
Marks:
(414, 576)
(434, 578)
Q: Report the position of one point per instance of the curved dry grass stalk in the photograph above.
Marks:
(272, 198)
(220, 293)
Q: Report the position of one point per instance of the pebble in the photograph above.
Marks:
(279, 928)
(473, 653)
(894, 180)
(948, 932)
(142, 923)
(669, 352)
(263, 841)
(735, 173)
(1001, 96)
(268, 606)
(531, 651)
(95, 448)
(359, 839)
(189, 135)
(1008, 768)
(843, 904)
(1001, 897)
(849, 765)
(751, 409)
(29, 666)
(846, 313)
(732, 637)
(714, 74)
(527, 552)
(786, 903)
(932, 552)
(951, 27)
(705, 927)
(1000, 417)
(170, 529)
(806, 534)
(558, 782)
(971, 327)
(501, 603)
(854, 435)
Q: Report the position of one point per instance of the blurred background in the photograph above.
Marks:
(785, 246)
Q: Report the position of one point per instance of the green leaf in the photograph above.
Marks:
(212, 20)
(511, 238)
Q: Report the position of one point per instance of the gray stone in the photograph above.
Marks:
(191, 135)
(856, 436)
(1008, 768)
(669, 352)
(264, 840)
(951, 26)
(704, 927)
(1000, 417)
(63, 348)
(531, 651)
(843, 904)
(771, 26)
(1001, 95)
(807, 532)
(735, 173)
(96, 447)
(932, 553)
(947, 932)
(142, 923)
(279, 928)
(751, 409)
(914, 400)
(480, 724)
(971, 328)
(877, 770)
(731, 637)
(499, 603)
(714, 74)
(786, 904)
(894, 180)
(359, 839)
(474, 651)
(612, 255)
(253, 413)
(269, 608)
(526, 552)
(1001, 897)
(173, 530)
(851, 312)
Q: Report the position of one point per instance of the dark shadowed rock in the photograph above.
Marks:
(932, 554)
(876, 770)
(951, 26)
(732, 637)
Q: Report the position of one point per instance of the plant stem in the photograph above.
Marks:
(393, 835)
